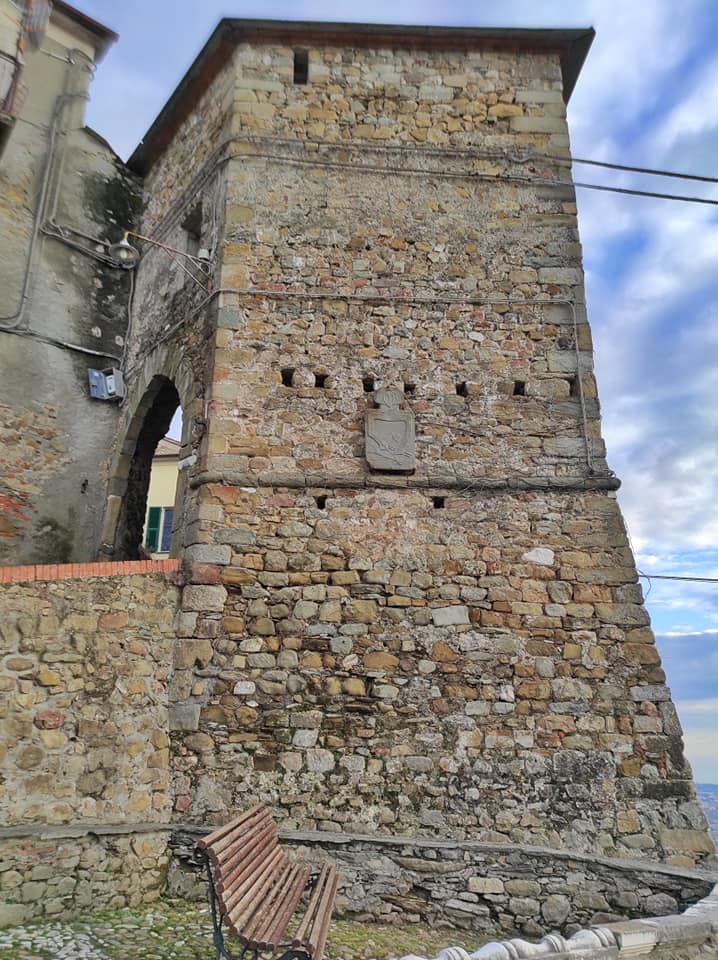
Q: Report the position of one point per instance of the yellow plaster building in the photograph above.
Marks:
(157, 535)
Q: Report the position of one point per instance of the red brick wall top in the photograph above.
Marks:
(77, 571)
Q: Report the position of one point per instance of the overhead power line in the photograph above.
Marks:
(649, 170)
(666, 576)
(641, 193)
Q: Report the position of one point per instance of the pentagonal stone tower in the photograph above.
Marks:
(411, 605)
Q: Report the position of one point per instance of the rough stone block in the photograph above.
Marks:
(192, 653)
(450, 616)
(541, 555)
(184, 716)
(482, 885)
(204, 599)
(209, 553)
(680, 841)
(538, 125)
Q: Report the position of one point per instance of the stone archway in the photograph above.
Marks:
(163, 402)
(163, 383)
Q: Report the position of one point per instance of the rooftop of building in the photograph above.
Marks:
(102, 36)
(571, 45)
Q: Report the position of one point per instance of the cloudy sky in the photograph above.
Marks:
(647, 96)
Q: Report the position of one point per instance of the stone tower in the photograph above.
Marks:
(410, 606)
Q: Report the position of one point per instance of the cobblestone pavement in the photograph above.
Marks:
(182, 931)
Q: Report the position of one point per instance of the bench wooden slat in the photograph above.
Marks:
(242, 911)
(301, 936)
(246, 860)
(264, 907)
(220, 832)
(273, 932)
(255, 889)
(324, 916)
(222, 848)
(238, 902)
(268, 915)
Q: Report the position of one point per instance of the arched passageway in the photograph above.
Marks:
(152, 421)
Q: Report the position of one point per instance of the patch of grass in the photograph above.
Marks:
(351, 940)
(177, 930)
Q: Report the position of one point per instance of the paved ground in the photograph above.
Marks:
(181, 931)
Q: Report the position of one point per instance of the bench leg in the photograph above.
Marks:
(294, 954)
(221, 952)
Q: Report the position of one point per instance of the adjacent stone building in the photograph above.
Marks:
(409, 604)
(63, 302)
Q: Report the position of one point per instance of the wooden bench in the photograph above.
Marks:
(255, 890)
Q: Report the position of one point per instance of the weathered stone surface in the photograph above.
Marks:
(81, 735)
(454, 650)
(184, 716)
(540, 555)
(449, 616)
(204, 598)
(389, 433)
(209, 553)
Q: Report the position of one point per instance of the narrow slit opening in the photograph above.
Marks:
(287, 376)
(301, 66)
(461, 389)
(321, 501)
(573, 387)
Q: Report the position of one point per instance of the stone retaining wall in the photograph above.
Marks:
(692, 935)
(502, 889)
(55, 873)
(83, 671)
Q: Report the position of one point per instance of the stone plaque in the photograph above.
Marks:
(389, 433)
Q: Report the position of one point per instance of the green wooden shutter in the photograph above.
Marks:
(152, 530)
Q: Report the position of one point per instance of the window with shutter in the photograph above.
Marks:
(167, 515)
(152, 532)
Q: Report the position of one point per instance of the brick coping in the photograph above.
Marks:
(81, 571)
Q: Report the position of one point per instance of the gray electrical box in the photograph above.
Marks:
(106, 384)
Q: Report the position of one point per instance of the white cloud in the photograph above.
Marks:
(696, 113)
(709, 706)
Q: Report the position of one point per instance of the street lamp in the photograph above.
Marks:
(128, 256)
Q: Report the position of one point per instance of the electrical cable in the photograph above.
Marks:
(666, 576)
(471, 175)
(16, 320)
(52, 341)
(215, 160)
(640, 193)
(648, 170)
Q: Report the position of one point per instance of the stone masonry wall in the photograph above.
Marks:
(85, 667)
(485, 669)
(85, 658)
(51, 875)
(489, 888)
(463, 649)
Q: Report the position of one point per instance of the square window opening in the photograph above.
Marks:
(192, 226)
